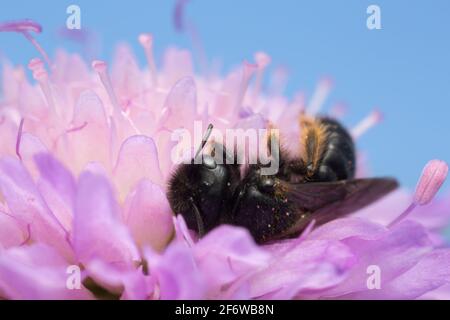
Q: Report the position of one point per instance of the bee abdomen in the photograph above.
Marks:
(338, 160)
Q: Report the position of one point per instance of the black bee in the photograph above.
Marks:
(318, 185)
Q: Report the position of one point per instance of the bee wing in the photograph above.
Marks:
(330, 200)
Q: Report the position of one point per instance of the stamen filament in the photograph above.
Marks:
(262, 61)
(146, 41)
(38, 47)
(19, 138)
(403, 215)
(79, 128)
(320, 95)
(367, 123)
(247, 72)
(338, 111)
(41, 76)
(101, 68)
(307, 230)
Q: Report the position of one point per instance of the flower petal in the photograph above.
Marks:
(58, 187)
(176, 65)
(98, 232)
(138, 159)
(341, 229)
(36, 272)
(27, 205)
(11, 231)
(308, 266)
(227, 253)
(430, 273)
(131, 283)
(176, 273)
(394, 252)
(148, 215)
(89, 134)
(180, 108)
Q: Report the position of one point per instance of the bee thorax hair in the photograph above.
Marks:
(313, 141)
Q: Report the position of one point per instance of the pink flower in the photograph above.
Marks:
(84, 160)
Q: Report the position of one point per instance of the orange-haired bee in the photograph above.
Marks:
(318, 184)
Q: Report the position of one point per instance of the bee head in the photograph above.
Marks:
(201, 190)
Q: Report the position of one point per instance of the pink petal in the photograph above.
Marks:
(394, 252)
(309, 266)
(58, 188)
(30, 145)
(176, 273)
(176, 65)
(98, 232)
(148, 215)
(27, 205)
(165, 147)
(126, 75)
(138, 159)
(180, 108)
(71, 69)
(430, 273)
(441, 293)
(227, 253)
(92, 141)
(182, 233)
(36, 272)
(396, 201)
(131, 283)
(12, 233)
(341, 229)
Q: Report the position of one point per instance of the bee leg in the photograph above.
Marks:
(198, 218)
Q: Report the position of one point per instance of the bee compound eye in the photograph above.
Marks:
(209, 163)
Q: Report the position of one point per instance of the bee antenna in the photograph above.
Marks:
(204, 139)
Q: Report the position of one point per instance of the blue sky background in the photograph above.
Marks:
(403, 69)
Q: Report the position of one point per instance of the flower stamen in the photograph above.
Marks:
(320, 95)
(247, 72)
(307, 230)
(146, 40)
(101, 68)
(338, 111)
(374, 118)
(433, 176)
(19, 138)
(262, 60)
(25, 27)
(79, 128)
(41, 76)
